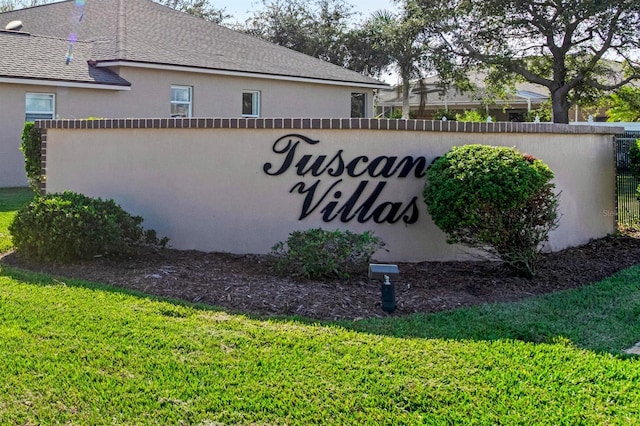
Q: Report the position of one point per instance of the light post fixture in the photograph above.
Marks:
(384, 273)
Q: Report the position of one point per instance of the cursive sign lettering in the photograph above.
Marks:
(381, 166)
(365, 203)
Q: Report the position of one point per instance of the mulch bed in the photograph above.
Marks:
(247, 284)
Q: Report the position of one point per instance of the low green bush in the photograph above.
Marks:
(440, 113)
(543, 114)
(31, 149)
(472, 116)
(68, 226)
(397, 114)
(634, 163)
(317, 253)
(496, 199)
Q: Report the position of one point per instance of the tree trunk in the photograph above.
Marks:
(560, 106)
(406, 90)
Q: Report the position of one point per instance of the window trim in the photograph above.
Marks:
(27, 112)
(255, 103)
(189, 103)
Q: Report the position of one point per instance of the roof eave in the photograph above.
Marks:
(63, 83)
(458, 103)
(235, 73)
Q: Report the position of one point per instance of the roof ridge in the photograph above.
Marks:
(48, 37)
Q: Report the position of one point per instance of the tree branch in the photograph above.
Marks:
(511, 65)
(610, 87)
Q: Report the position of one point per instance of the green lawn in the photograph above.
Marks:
(73, 352)
(78, 353)
(11, 199)
(603, 318)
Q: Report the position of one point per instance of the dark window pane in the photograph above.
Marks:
(358, 105)
(247, 104)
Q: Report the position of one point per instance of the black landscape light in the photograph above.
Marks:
(384, 272)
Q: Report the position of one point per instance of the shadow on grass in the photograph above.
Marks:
(602, 317)
(40, 279)
(12, 199)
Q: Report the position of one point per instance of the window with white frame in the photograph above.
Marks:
(250, 103)
(40, 106)
(358, 105)
(181, 101)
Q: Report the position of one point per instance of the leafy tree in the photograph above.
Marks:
(319, 29)
(326, 29)
(8, 5)
(283, 22)
(562, 45)
(200, 8)
(395, 39)
(625, 105)
(331, 27)
(365, 51)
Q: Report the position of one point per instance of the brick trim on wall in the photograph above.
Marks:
(325, 123)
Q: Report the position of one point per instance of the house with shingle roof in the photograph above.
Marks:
(428, 100)
(140, 59)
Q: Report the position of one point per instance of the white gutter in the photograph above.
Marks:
(238, 74)
(57, 83)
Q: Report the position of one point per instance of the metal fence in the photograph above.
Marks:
(628, 204)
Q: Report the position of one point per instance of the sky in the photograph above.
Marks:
(240, 9)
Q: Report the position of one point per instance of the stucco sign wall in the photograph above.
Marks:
(241, 185)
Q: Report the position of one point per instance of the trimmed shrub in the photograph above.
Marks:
(31, 148)
(317, 253)
(495, 199)
(69, 226)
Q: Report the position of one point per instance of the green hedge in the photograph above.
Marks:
(493, 198)
(68, 226)
(31, 148)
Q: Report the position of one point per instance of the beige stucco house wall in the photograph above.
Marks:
(11, 122)
(149, 96)
(221, 96)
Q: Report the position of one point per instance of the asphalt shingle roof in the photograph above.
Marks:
(147, 32)
(45, 58)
